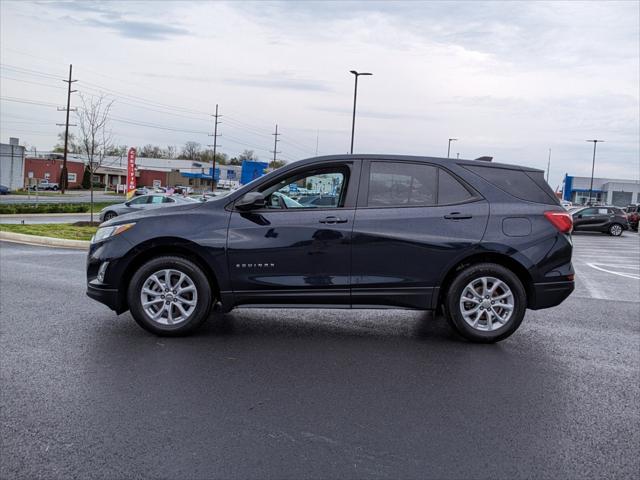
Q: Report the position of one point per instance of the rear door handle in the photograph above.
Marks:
(333, 220)
(458, 216)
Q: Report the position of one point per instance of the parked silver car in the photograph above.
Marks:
(142, 202)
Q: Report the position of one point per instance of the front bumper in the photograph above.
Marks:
(104, 294)
(546, 295)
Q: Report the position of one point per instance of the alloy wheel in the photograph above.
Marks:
(487, 304)
(168, 297)
(615, 230)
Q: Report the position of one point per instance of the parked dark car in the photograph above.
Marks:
(485, 241)
(4, 190)
(605, 219)
(633, 216)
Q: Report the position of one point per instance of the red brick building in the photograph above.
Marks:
(38, 169)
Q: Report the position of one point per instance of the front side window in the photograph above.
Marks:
(401, 184)
(304, 190)
(155, 199)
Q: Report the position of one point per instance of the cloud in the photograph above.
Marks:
(279, 81)
(111, 16)
(379, 115)
(139, 29)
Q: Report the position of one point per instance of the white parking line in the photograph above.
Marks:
(627, 275)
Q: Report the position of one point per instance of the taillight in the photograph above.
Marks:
(563, 221)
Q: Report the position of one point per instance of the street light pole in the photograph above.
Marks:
(593, 165)
(355, 96)
(449, 146)
(548, 165)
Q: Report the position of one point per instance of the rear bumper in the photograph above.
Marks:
(546, 295)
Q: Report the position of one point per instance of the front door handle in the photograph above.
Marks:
(331, 220)
(458, 216)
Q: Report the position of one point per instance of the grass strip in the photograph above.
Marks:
(15, 208)
(56, 230)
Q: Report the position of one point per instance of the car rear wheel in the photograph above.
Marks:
(615, 230)
(486, 303)
(110, 215)
(170, 296)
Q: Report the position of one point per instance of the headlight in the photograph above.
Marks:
(106, 232)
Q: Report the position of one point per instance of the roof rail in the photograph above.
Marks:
(484, 159)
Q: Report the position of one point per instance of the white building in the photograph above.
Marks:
(605, 190)
(11, 164)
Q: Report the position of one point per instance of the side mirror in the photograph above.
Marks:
(580, 216)
(127, 203)
(251, 201)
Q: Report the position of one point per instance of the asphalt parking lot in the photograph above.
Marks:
(318, 393)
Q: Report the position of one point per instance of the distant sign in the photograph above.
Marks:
(131, 172)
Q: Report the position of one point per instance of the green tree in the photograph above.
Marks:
(274, 164)
(72, 146)
(247, 155)
(86, 178)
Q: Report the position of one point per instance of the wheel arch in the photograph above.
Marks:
(169, 246)
(502, 259)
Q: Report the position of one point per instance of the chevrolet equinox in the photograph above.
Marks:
(481, 240)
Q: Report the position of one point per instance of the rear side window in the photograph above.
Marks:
(524, 185)
(402, 184)
(451, 190)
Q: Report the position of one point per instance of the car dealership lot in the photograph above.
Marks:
(318, 393)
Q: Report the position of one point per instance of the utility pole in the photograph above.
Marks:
(548, 165)
(449, 146)
(64, 176)
(593, 165)
(275, 144)
(215, 145)
(317, 141)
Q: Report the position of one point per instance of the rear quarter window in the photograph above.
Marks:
(525, 185)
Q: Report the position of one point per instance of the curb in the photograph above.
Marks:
(44, 241)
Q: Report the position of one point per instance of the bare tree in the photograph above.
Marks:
(190, 150)
(170, 152)
(96, 138)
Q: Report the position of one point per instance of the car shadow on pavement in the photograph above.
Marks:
(418, 325)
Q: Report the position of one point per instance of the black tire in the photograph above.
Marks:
(55, 188)
(194, 272)
(109, 215)
(455, 291)
(615, 229)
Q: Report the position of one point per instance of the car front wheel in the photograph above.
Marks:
(170, 296)
(615, 230)
(486, 303)
(110, 215)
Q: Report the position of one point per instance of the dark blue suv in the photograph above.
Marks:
(484, 241)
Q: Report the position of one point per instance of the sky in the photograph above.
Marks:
(507, 79)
